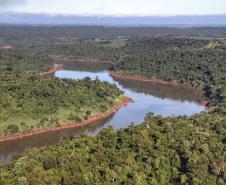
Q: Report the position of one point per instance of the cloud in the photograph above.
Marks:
(116, 7)
(11, 3)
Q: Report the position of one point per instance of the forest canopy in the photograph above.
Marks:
(29, 102)
(171, 150)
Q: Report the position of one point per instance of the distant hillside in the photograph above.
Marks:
(14, 18)
(10, 34)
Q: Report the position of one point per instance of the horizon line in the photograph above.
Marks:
(111, 15)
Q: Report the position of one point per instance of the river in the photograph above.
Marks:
(164, 100)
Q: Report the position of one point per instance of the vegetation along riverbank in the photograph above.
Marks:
(162, 150)
(123, 101)
(33, 102)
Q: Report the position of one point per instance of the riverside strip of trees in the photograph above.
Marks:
(173, 150)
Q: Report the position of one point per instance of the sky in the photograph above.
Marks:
(116, 7)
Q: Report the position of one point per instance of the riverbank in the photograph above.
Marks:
(121, 75)
(52, 70)
(66, 125)
(124, 75)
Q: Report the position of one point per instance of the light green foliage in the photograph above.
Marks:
(115, 43)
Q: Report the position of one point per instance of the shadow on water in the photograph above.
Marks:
(162, 100)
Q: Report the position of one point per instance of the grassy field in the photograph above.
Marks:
(212, 44)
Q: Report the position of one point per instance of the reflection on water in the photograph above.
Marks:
(162, 100)
(159, 99)
(178, 93)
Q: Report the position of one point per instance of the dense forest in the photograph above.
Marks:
(161, 151)
(171, 150)
(200, 63)
(9, 32)
(30, 102)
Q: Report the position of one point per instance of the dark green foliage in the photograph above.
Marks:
(46, 33)
(178, 150)
(12, 129)
(185, 60)
(39, 101)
